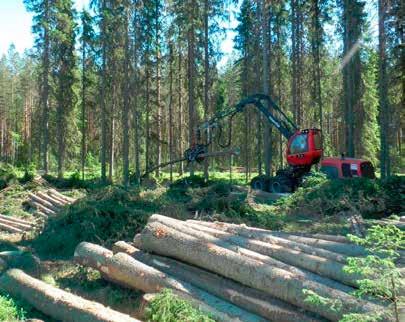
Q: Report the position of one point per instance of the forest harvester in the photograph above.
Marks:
(304, 148)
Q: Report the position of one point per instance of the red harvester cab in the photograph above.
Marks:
(304, 148)
(343, 167)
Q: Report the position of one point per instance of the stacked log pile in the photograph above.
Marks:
(15, 225)
(236, 272)
(48, 203)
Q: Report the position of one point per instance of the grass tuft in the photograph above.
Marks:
(167, 307)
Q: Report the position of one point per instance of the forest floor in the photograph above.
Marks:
(106, 214)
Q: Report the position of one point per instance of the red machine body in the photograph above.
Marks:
(304, 148)
(344, 168)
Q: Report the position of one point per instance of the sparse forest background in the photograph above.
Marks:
(121, 87)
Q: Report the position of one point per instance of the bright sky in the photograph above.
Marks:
(16, 23)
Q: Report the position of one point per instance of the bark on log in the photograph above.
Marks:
(126, 271)
(57, 203)
(56, 193)
(280, 242)
(43, 202)
(17, 220)
(280, 283)
(56, 303)
(10, 229)
(54, 196)
(245, 297)
(263, 234)
(45, 210)
(318, 265)
(242, 248)
(15, 224)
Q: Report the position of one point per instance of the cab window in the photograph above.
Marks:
(330, 171)
(317, 140)
(299, 144)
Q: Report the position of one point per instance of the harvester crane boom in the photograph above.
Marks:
(281, 122)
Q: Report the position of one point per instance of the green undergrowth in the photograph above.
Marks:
(167, 307)
(113, 213)
(10, 174)
(370, 198)
(10, 310)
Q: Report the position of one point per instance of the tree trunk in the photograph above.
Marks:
(180, 112)
(280, 283)
(45, 89)
(206, 76)
(125, 112)
(159, 128)
(56, 303)
(128, 272)
(171, 125)
(83, 111)
(266, 83)
(103, 152)
(250, 299)
(191, 82)
(383, 97)
(15, 224)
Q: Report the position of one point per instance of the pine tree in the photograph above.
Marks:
(63, 50)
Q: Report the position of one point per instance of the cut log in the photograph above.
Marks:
(10, 229)
(15, 224)
(254, 249)
(22, 260)
(56, 303)
(295, 257)
(54, 196)
(282, 284)
(55, 193)
(17, 220)
(41, 208)
(57, 203)
(245, 297)
(279, 242)
(263, 234)
(128, 272)
(41, 215)
(43, 202)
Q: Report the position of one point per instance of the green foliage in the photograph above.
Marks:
(167, 307)
(372, 198)
(8, 174)
(104, 217)
(381, 279)
(9, 310)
